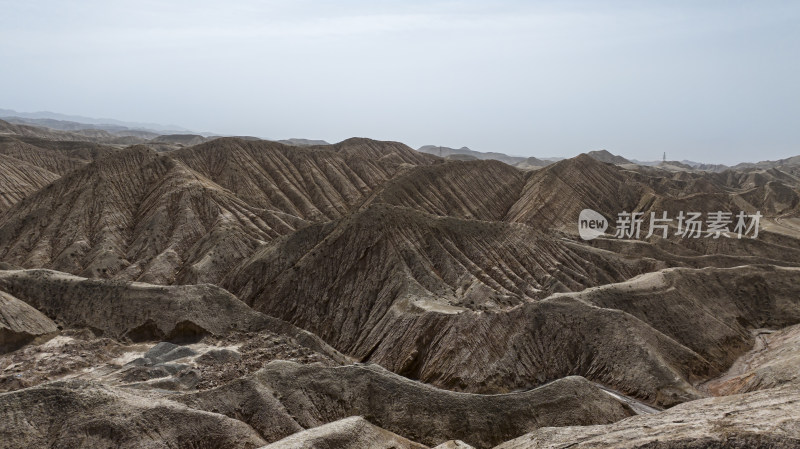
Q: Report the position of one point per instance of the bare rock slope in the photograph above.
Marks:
(139, 311)
(394, 300)
(461, 286)
(284, 397)
(50, 159)
(78, 414)
(21, 323)
(19, 179)
(349, 433)
(764, 419)
(136, 215)
(314, 183)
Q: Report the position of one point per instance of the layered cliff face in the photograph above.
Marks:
(362, 293)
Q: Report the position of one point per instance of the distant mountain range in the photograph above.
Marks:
(147, 132)
(53, 117)
(52, 125)
(303, 142)
(465, 153)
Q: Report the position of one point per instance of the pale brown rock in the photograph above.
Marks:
(21, 323)
(54, 161)
(314, 183)
(349, 433)
(139, 311)
(773, 362)
(19, 179)
(136, 215)
(284, 396)
(763, 419)
(79, 414)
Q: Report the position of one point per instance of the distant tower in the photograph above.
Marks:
(440, 151)
(665, 157)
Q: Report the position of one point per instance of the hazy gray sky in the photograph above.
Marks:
(701, 80)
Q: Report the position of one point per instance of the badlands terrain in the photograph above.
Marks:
(188, 291)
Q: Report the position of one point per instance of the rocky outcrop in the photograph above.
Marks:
(349, 433)
(21, 323)
(132, 310)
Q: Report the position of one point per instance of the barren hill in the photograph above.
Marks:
(74, 414)
(20, 323)
(136, 215)
(465, 153)
(83, 150)
(407, 289)
(354, 432)
(306, 396)
(179, 139)
(19, 179)
(313, 183)
(605, 156)
(553, 196)
(48, 159)
(394, 258)
(482, 190)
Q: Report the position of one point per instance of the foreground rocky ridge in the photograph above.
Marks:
(354, 432)
(763, 419)
(143, 312)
